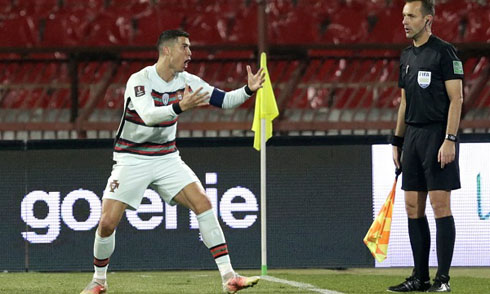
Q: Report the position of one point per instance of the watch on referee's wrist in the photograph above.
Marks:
(451, 137)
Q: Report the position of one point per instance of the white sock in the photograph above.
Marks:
(103, 249)
(214, 239)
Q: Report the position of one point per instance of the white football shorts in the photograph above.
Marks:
(167, 175)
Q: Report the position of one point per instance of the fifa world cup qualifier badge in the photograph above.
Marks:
(139, 91)
(458, 67)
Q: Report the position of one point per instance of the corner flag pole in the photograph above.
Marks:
(263, 207)
(265, 112)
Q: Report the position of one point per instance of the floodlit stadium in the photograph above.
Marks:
(295, 208)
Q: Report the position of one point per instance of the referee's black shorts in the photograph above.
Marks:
(421, 171)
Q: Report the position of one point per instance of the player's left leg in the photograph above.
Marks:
(445, 238)
(194, 198)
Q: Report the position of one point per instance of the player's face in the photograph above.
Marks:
(180, 54)
(413, 20)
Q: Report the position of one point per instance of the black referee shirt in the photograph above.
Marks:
(423, 71)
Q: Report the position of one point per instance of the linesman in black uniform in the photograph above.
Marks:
(430, 79)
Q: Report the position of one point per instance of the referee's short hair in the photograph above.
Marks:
(169, 36)
(428, 6)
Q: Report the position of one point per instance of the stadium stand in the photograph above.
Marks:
(65, 63)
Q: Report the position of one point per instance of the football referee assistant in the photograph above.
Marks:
(430, 79)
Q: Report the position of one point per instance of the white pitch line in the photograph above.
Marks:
(303, 286)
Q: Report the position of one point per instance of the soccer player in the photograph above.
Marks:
(146, 154)
(428, 119)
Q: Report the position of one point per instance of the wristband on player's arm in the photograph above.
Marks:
(176, 108)
(397, 141)
(248, 91)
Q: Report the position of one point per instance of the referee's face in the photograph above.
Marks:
(413, 20)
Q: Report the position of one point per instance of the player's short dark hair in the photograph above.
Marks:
(170, 36)
(428, 6)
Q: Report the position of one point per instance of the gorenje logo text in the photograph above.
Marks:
(62, 209)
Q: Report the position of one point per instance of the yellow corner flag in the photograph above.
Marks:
(378, 235)
(265, 106)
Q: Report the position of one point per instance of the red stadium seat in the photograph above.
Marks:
(347, 25)
(297, 26)
(206, 28)
(18, 32)
(388, 28)
(37, 9)
(152, 23)
(244, 27)
(478, 27)
(108, 28)
(67, 27)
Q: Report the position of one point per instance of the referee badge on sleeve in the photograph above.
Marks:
(424, 79)
(457, 67)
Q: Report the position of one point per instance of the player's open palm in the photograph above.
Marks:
(255, 81)
(193, 99)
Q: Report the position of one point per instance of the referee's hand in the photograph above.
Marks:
(447, 153)
(397, 154)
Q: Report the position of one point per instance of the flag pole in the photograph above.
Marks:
(263, 206)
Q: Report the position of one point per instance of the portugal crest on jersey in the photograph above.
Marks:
(165, 99)
(424, 78)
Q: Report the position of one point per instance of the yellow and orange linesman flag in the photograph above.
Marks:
(378, 235)
(265, 107)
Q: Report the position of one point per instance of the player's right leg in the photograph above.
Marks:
(125, 188)
(104, 244)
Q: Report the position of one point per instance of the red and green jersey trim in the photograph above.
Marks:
(126, 146)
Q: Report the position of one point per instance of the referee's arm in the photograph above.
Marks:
(400, 129)
(454, 89)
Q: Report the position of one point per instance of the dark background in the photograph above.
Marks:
(319, 205)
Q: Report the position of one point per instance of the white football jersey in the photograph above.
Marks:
(149, 123)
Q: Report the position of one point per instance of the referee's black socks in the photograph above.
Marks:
(446, 235)
(419, 232)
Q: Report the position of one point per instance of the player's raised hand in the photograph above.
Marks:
(194, 99)
(255, 81)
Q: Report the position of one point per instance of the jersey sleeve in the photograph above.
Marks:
(402, 71)
(218, 97)
(138, 89)
(401, 82)
(451, 65)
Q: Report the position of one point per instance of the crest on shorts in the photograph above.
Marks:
(424, 78)
(165, 99)
(114, 185)
(139, 91)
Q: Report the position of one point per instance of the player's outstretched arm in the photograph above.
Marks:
(236, 97)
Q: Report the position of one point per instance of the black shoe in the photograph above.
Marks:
(441, 284)
(411, 284)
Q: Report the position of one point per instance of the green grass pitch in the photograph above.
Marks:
(463, 280)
